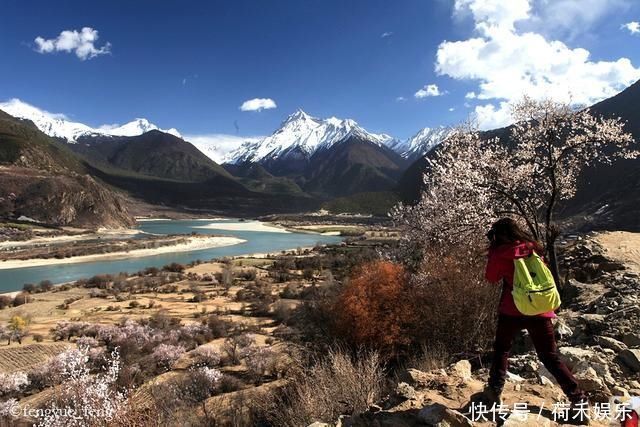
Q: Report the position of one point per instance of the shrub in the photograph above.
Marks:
(226, 277)
(248, 274)
(218, 326)
(165, 355)
(174, 267)
(236, 347)
(5, 301)
(338, 384)
(259, 361)
(200, 383)
(374, 309)
(22, 298)
(45, 286)
(93, 397)
(206, 355)
(455, 307)
(13, 382)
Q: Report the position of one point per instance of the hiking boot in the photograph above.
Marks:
(491, 396)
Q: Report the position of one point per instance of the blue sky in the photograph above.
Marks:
(191, 65)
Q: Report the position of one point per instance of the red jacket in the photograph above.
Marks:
(500, 267)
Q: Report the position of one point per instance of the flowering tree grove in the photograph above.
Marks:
(472, 181)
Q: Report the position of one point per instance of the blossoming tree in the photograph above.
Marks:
(473, 180)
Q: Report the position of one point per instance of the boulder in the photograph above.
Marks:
(441, 416)
(595, 323)
(461, 370)
(631, 359)
(573, 356)
(611, 343)
(632, 340)
(589, 380)
(620, 391)
(514, 377)
(405, 391)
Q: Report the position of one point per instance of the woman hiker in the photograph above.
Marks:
(508, 242)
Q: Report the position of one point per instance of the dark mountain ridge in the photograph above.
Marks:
(42, 179)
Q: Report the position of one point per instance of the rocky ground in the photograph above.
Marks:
(598, 332)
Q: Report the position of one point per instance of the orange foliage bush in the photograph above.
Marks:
(374, 308)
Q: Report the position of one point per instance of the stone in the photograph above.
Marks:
(562, 329)
(632, 340)
(574, 356)
(344, 421)
(406, 391)
(589, 380)
(514, 378)
(545, 376)
(631, 359)
(545, 381)
(461, 369)
(596, 323)
(620, 391)
(441, 416)
(319, 424)
(611, 343)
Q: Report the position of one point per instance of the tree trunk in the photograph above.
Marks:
(553, 259)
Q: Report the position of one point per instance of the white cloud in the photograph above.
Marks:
(452, 109)
(508, 63)
(470, 95)
(386, 34)
(217, 146)
(573, 17)
(401, 99)
(258, 104)
(82, 43)
(633, 27)
(428, 90)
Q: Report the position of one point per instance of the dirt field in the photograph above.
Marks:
(622, 246)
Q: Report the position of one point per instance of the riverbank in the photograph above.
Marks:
(192, 244)
(245, 226)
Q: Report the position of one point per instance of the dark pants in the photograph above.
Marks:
(541, 332)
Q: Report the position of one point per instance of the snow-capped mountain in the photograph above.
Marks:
(59, 126)
(302, 134)
(421, 143)
(218, 146)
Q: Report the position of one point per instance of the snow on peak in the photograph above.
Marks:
(301, 132)
(422, 142)
(135, 127)
(59, 126)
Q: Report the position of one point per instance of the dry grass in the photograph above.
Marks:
(337, 384)
(17, 358)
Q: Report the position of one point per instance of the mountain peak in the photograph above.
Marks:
(302, 134)
(298, 115)
(59, 125)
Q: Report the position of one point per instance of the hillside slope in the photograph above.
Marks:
(154, 153)
(41, 179)
(354, 165)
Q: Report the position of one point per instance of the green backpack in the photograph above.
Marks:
(534, 290)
